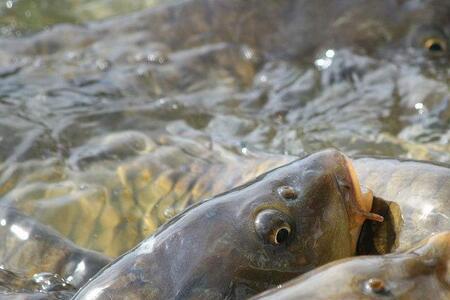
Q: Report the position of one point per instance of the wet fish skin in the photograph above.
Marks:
(418, 273)
(225, 247)
(421, 189)
(29, 247)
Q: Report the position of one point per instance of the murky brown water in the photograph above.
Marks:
(98, 122)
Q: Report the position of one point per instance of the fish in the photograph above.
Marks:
(121, 203)
(201, 41)
(35, 257)
(420, 272)
(285, 222)
(418, 195)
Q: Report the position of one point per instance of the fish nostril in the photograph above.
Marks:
(287, 192)
(375, 285)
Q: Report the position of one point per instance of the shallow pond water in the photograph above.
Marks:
(100, 118)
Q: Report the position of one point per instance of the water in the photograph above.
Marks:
(25, 17)
(93, 116)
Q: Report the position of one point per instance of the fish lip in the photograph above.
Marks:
(358, 204)
(364, 204)
(362, 201)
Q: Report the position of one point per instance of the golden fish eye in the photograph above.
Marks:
(435, 45)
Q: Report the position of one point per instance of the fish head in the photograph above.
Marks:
(298, 217)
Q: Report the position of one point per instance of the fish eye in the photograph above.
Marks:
(435, 45)
(273, 227)
(429, 37)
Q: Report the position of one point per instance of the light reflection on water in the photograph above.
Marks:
(325, 61)
(20, 232)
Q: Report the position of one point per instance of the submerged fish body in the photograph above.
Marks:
(282, 224)
(36, 258)
(120, 203)
(418, 273)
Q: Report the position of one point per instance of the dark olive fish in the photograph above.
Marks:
(418, 273)
(284, 223)
(44, 260)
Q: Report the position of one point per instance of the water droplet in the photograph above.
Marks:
(323, 63)
(102, 64)
(169, 213)
(263, 78)
(83, 187)
(325, 60)
(420, 107)
(248, 53)
(330, 53)
(9, 4)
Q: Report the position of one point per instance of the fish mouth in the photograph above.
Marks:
(359, 204)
